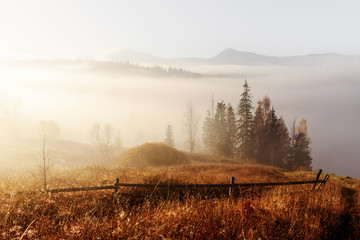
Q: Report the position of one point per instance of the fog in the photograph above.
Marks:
(77, 95)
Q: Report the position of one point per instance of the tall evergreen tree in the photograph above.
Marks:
(270, 134)
(273, 138)
(169, 136)
(301, 151)
(245, 124)
(220, 129)
(208, 136)
(284, 150)
(230, 131)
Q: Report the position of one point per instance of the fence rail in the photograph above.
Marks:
(231, 185)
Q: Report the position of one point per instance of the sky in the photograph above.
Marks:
(175, 29)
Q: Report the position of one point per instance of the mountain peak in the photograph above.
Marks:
(235, 57)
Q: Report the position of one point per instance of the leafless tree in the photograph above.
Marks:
(190, 124)
(45, 165)
(106, 140)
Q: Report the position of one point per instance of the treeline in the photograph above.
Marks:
(259, 135)
(155, 70)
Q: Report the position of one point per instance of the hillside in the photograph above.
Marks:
(284, 212)
(24, 153)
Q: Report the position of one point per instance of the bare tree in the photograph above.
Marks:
(106, 140)
(190, 124)
(45, 165)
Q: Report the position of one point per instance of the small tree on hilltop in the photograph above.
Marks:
(45, 165)
(169, 136)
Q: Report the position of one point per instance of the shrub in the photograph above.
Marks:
(153, 155)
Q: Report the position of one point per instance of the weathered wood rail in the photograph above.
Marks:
(232, 185)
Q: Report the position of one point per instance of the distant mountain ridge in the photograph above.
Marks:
(231, 56)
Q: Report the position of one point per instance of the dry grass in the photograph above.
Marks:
(153, 155)
(288, 212)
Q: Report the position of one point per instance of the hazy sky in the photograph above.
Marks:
(73, 28)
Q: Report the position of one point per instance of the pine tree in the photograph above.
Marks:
(258, 132)
(301, 151)
(284, 147)
(220, 129)
(169, 136)
(273, 138)
(270, 136)
(245, 124)
(230, 131)
(208, 136)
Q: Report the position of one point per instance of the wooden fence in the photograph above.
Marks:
(232, 185)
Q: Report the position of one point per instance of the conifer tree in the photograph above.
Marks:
(301, 151)
(169, 136)
(259, 134)
(284, 148)
(230, 131)
(208, 136)
(220, 129)
(273, 138)
(245, 124)
(270, 136)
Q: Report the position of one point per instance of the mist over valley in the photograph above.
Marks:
(140, 96)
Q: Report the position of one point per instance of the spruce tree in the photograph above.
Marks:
(245, 124)
(273, 138)
(230, 131)
(208, 136)
(284, 148)
(258, 132)
(220, 129)
(301, 151)
(169, 136)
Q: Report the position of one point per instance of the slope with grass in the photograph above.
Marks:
(286, 212)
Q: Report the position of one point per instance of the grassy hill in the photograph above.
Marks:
(285, 212)
(24, 153)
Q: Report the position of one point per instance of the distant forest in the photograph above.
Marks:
(113, 67)
(148, 70)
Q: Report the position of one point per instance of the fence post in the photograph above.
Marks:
(116, 185)
(232, 181)
(326, 178)
(317, 178)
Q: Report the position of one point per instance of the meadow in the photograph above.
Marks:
(284, 212)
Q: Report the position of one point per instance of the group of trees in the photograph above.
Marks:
(219, 130)
(259, 135)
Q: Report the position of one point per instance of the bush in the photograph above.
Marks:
(153, 155)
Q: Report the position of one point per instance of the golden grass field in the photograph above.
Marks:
(285, 212)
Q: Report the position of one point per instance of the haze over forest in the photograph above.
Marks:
(75, 71)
